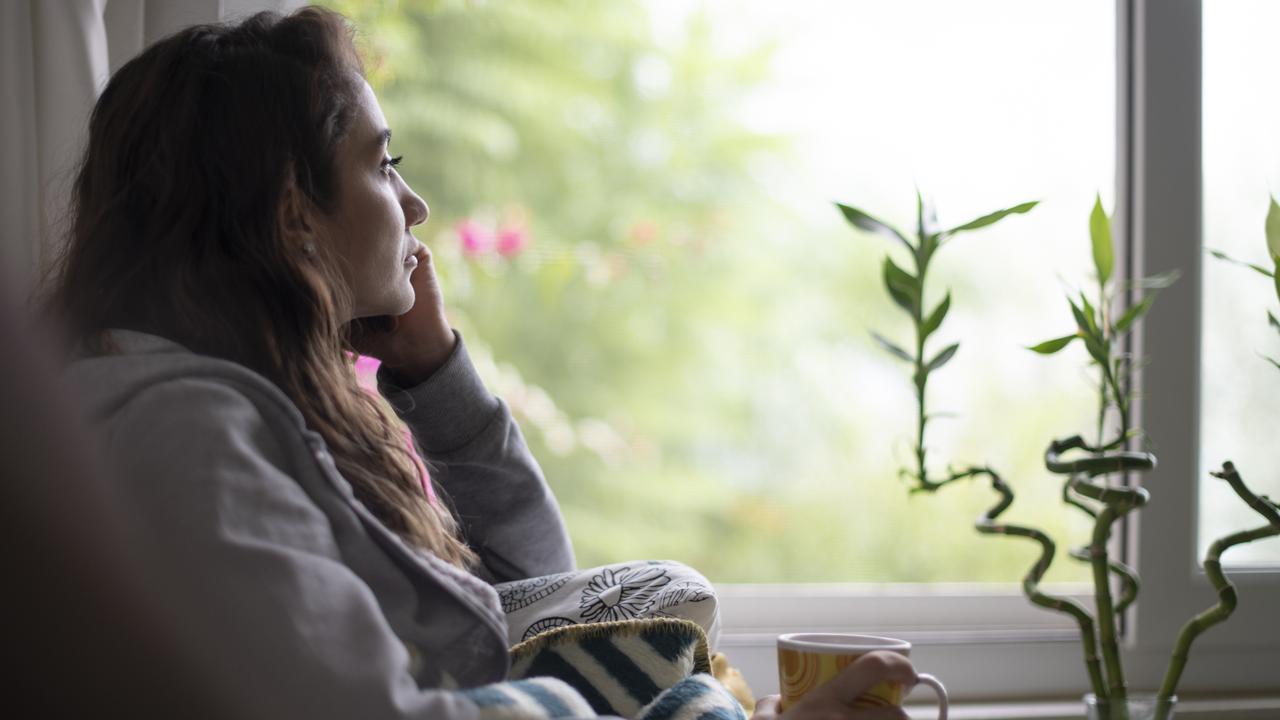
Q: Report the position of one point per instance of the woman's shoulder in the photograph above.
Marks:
(157, 404)
(154, 374)
(200, 436)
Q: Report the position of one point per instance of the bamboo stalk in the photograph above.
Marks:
(987, 525)
(1116, 502)
(1213, 569)
(1130, 584)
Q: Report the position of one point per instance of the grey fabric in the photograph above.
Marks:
(491, 480)
(274, 560)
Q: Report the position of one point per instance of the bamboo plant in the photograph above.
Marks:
(1101, 324)
(1263, 505)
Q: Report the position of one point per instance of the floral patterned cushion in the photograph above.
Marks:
(621, 591)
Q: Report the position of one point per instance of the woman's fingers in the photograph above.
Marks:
(865, 673)
(766, 708)
(834, 699)
(428, 298)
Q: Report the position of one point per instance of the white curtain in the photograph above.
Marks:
(55, 57)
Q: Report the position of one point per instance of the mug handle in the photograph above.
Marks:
(939, 688)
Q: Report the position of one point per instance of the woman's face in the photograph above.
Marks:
(369, 228)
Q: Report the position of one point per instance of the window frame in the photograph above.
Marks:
(991, 644)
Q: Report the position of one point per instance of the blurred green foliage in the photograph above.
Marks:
(676, 348)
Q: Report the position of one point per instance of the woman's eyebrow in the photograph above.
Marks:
(384, 137)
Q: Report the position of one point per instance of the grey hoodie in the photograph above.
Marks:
(281, 572)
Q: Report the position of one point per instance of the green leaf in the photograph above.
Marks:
(942, 358)
(1136, 311)
(866, 222)
(1081, 323)
(1273, 361)
(1098, 350)
(926, 217)
(1258, 268)
(1090, 314)
(893, 349)
(902, 286)
(1271, 319)
(994, 217)
(1100, 234)
(928, 245)
(927, 229)
(1273, 229)
(1157, 282)
(935, 318)
(1049, 347)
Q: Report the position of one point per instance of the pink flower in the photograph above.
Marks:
(512, 239)
(644, 232)
(475, 238)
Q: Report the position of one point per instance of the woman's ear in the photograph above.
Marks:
(296, 216)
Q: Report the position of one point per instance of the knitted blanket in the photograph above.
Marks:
(648, 669)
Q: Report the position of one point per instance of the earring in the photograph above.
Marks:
(309, 248)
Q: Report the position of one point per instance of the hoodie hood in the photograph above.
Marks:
(105, 383)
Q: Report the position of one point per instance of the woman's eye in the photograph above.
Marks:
(389, 163)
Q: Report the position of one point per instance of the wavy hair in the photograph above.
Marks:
(178, 228)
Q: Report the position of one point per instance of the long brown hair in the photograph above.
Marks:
(177, 229)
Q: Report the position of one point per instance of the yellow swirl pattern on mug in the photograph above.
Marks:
(799, 672)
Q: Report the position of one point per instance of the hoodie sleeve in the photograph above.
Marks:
(478, 457)
(250, 566)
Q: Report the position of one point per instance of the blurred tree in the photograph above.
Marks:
(579, 169)
(673, 340)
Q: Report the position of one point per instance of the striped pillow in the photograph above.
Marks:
(618, 667)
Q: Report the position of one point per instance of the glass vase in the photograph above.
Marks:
(1138, 706)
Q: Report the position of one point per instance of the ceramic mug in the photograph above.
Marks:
(807, 660)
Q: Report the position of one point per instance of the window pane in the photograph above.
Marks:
(632, 212)
(1240, 389)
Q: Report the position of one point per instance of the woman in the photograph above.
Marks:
(238, 234)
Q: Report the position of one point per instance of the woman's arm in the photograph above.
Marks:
(478, 457)
(477, 454)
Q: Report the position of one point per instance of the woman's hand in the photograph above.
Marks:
(834, 700)
(414, 345)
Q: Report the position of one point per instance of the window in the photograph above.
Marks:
(632, 213)
(1241, 172)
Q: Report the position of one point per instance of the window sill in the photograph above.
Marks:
(1206, 708)
(1009, 679)
(989, 647)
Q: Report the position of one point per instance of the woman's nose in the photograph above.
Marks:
(416, 211)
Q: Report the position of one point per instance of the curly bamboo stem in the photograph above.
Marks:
(1213, 569)
(1074, 500)
(1129, 582)
(1117, 502)
(987, 525)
